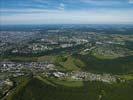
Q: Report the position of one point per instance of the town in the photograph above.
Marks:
(64, 57)
(9, 70)
(51, 42)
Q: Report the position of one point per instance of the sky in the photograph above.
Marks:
(66, 12)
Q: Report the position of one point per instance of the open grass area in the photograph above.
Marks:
(67, 83)
(46, 58)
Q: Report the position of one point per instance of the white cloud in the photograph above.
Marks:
(28, 11)
(42, 1)
(61, 6)
(69, 17)
(131, 1)
(102, 2)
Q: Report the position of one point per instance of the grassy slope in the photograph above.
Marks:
(23, 81)
(91, 63)
(68, 63)
(38, 89)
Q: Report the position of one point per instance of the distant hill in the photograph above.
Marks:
(107, 28)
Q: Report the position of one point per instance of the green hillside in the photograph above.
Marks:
(70, 63)
(122, 65)
(49, 89)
